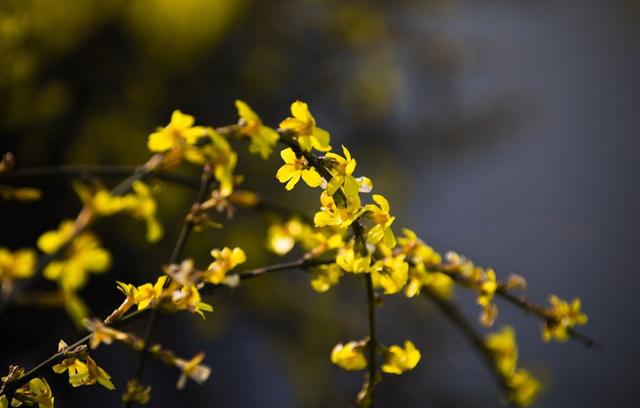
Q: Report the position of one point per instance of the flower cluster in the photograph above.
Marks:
(523, 386)
(563, 317)
(350, 235)
(35, 392)
(102, 334)
(179, 288)
(82, 369)
(139, 203)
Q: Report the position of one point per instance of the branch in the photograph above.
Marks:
(94, 170)
(521, 302)
(456, 317)
(9, 387)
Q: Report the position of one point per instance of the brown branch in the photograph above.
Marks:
(94, 170)
(520, 302)
(455, 316)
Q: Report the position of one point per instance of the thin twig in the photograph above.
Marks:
(84, 170)
(521, 302)
(456, 317)
(9, 387)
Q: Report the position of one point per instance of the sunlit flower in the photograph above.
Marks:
(342, 169)
(488, 287)
(142, 205)
(225, 260)
(178, 134)
(281, 238)
(397, 360)
(390, 273)
(101, 201)
(524, 388)
(295, 168)
(188, 298)
(323, 277)
(349, 356)
(148, 294)
(35, 392)
(263, 138)
(379, 213)
(82, 256)
(505, 350)
(85, 372)
(339, 216)
(304, 124)
(192, 369)
(351, 261)
(565, 316)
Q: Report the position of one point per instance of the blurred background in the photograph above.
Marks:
(505, 130)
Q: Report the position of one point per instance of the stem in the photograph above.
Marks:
(520, 302)
(373, 342)
(94, 170)
(466, 328)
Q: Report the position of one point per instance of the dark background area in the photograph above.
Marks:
(505, 130)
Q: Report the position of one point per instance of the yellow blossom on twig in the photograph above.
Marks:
(397, 360)
(309, 136)
(263, 138)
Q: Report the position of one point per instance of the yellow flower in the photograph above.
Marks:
(318, 241)
(524, 388)
(438, 283)
(222, 158)
(349, 356)
(262, 137)
(488, 287)
(351, 261)
(188, 298)
(136, 392)
(332, 215)
(342, 169)
(323, 277)
(82, 256)
(505, 350)
(380, 215)
(304, 124)
(178, 134)
(390, 273)
(281, 238)
(35, 392)
(565, 316)
(102, 333)
(51, 241)
(148, 294)
(417, 250)
(84, 373)
(143, 206)
(192, 369)
(294, 168)
(101, 202)
(225, 260)
(397, 360)
(17, 265)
